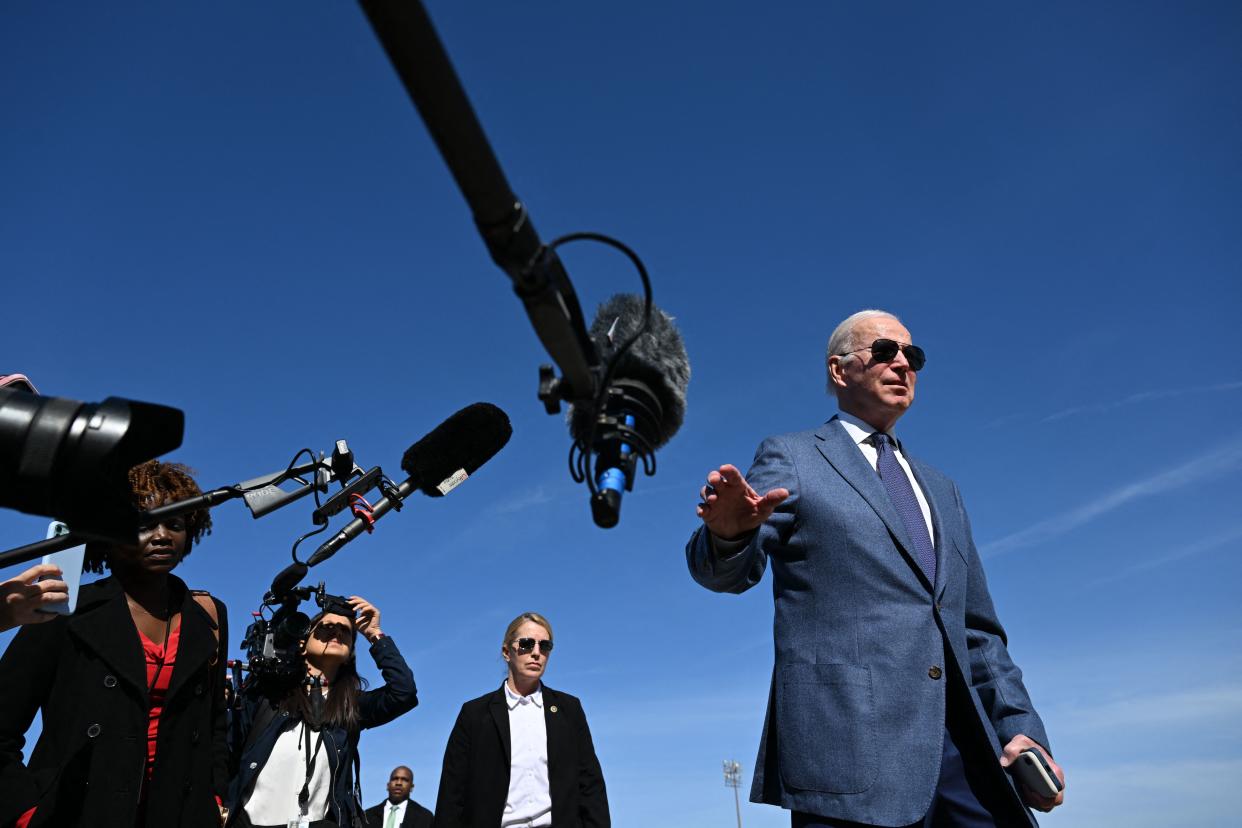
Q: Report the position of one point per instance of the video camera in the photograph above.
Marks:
(273, 645)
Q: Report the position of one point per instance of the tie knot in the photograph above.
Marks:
(880, 439)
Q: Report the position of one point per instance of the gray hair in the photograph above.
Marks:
(842, 339)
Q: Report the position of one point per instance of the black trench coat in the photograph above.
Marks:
(87, 674)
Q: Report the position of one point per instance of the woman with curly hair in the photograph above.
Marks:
(131, 687)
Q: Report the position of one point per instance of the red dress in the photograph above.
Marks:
(160, 661)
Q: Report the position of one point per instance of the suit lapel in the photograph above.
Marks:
(838, 448)
(500, 715)
(107, 628)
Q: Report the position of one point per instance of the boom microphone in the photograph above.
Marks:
(436, 464)
(642, 407)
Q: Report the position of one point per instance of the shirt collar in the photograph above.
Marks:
(513, 699)
(859, 431)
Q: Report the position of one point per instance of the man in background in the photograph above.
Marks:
(399, 811)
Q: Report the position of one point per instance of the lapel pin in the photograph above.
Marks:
(553, 708)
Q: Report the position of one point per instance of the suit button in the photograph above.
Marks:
(93, 731)
(109, 681)
(939, 607)
(254, 765)
(198, 689)
(934, 672)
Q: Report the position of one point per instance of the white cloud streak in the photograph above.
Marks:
(1225, 538)
(1213, 706)
(1142, 396)
(1223, 459)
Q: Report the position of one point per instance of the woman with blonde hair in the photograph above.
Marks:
(522, 755)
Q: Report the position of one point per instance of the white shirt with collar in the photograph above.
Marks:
(529, 803)
(860, 433)
(389, 808)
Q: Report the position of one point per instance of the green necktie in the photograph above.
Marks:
(391, 821)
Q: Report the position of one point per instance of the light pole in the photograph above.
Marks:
(733, 779)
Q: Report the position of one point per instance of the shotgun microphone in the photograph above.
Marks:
(436, 464)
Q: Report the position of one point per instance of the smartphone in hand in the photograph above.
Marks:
(70, 563)
(1033, 771)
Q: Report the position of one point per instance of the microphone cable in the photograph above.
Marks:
(581, 451)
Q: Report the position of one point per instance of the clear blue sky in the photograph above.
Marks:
(234, 209)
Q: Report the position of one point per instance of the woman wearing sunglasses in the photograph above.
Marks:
(522, 754)
(130, 687)
(298, 763)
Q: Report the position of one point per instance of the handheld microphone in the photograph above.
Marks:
(436, 464)
(642, 406)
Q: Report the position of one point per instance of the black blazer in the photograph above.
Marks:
(86, 672)
(416, 816)
(475, 780)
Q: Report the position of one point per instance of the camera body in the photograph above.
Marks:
(273, 645)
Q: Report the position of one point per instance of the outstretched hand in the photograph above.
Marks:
(21, 597)
(731, 508)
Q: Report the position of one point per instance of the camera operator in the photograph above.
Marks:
(130, 688)
(298, 761)
(21, 597)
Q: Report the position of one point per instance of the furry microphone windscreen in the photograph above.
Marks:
(457, 448)
(658, 360)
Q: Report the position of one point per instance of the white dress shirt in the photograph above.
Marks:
(860, 433)
(389, 808)
(529, 803)
(274, 798)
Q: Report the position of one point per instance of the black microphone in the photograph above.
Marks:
(643, 406)
(288, 578)
(436, 464)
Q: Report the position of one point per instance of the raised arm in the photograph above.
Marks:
(399, 694)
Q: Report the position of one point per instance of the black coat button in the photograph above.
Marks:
(109, 681)
(93, 731)
(934, 672)
(198, 689)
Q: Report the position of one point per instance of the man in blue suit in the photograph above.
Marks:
(894, 701)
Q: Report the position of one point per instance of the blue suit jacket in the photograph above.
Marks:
(856, 714)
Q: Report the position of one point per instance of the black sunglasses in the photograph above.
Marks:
(526, 645)
(885, 350)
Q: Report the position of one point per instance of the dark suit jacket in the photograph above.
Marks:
(866, 647)
(475, 779)
(416, 816)
(87, 674)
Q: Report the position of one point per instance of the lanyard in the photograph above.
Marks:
(304, 794)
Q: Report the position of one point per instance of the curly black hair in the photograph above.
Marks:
(152, 484)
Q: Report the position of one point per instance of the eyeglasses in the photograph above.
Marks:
(885, 350)
(527, 645)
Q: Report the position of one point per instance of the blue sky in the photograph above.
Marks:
(235, 210)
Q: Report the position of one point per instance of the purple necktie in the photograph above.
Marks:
(902, 494)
